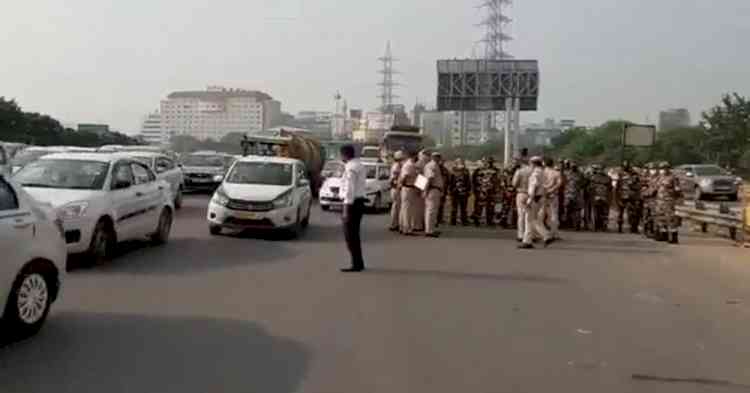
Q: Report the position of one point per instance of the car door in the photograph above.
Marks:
(302, 188)
(16, 235)
(167, 170)
(125, 202)
(149, 192)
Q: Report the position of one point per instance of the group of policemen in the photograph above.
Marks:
(536, 196)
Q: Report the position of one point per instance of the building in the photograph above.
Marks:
(566, 124)
(674, 118)
(477, 128)
(416, 114)
(436, 125)
(152, 131)
(218, 111)
(539, 137)
(372, 127)
(318, 122)
(98, 129)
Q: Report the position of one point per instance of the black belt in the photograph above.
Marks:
(435, 188)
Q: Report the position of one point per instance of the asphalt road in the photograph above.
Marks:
(464, 313)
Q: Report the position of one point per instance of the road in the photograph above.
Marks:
(464, 313)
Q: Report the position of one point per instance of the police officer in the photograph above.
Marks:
(433, 194)
(508, 212)
(600, 188)
(667, 193)
(398, 158)
(574, 185)
(648, 193)
(628, 190)
(486, 184)
(459, 188)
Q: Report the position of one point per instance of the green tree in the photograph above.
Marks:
(727, 128)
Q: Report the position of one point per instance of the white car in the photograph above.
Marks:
(102, 198)
(204, 170)
(260, 192)
(5, 167)
(378, 188)
(166, 169)
(33, 153)
(33, 262)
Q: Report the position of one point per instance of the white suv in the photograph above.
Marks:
(33, 260)
(102, 198)
(377, 188)
(271, 193)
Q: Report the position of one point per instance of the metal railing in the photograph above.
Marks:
(721, 215)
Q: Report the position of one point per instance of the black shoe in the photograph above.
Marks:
(525, 246)
(675, 239)
(453, 223)
(393, 229)
(548, 242)
(434, 234)
(518, 239)
(634, 230)
(352, 270)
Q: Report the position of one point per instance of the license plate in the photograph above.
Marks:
(247, 215)
(201, 180)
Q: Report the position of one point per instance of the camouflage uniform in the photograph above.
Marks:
(648, 191)
(600, 190)
(441, 211)
(573, 197)
(667, 193)
(628, 192)
(587, 199)
(459, 187)
(508, 213)
(486, 185)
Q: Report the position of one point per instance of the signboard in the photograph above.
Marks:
(484, 85)
(639, 135)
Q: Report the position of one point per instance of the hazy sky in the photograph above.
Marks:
(112, 61)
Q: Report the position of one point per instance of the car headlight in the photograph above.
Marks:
(285, 200)
(218, 178)
(220, 198)
(705, 182)
(72, 210)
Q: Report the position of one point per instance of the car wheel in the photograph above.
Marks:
(296, 229)
(325, 207)
(102, 242)
(306, 221)
(178, 199)
(214, 229)
(29, 302)
(734, 197)
(163, 228)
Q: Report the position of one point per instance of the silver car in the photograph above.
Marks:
(707, 181)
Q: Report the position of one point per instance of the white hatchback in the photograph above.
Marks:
(270, 193)
(102, 199)
(33, 262)
(377, 188)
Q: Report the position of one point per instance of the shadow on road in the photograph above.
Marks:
(81, 352)
(190, 255)
(438, 274)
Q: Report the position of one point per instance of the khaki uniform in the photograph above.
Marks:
(418, 217)
(409, 197)
(532, 224)
(433, 195)
(395, 194)
(667, 193)
(551, 202)
(521, 184)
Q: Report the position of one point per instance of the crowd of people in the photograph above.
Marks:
(536, 196)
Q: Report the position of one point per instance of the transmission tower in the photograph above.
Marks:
(496, 23)
(387, 84)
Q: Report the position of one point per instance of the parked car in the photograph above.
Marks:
(261, 192)
(165, 169)
(378, 188)
(33, 262)
(707, 181)
(5, 167)
(332, 169)
(204, 171)
(102, 199)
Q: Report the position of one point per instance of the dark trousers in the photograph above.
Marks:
(354, 213)
(458, 208)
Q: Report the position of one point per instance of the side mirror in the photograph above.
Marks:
(120, 184)
(218, 178)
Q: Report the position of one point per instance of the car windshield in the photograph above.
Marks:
(26, 156)
(201, 160)
(62, 173)
(372, 171)
(336, 169)
(266, 173)
(708, 171)
(144, 160)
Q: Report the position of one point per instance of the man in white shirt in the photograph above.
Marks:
(433, 194)
(398, 158)
(551, 203)
(535, 195)
(521, 184)
(353, 190)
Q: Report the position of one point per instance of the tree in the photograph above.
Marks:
(727, 128)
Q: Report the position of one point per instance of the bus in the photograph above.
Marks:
(404, 138)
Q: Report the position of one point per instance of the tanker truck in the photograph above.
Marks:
(284, 143)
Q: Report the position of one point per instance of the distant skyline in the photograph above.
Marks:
(113, 61)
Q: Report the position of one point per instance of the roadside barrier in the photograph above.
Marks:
(721, 215)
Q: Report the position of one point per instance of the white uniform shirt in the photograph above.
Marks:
(355, 180)
(521, 179)
(536, 182)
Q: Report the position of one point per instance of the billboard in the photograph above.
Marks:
(484, 85)
(639, 135)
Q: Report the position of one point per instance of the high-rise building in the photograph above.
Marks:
(435, 125)
(218, 111)
(478, 128)
(416, 114)
(674, 118)
(152, 131)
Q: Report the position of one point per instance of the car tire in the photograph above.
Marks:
(296, 229)
(101, 245)
(214, 230)
(29, 302)
(306, 221)
(178, 199)
(734, 197)
(325, 207)
(163, 228)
